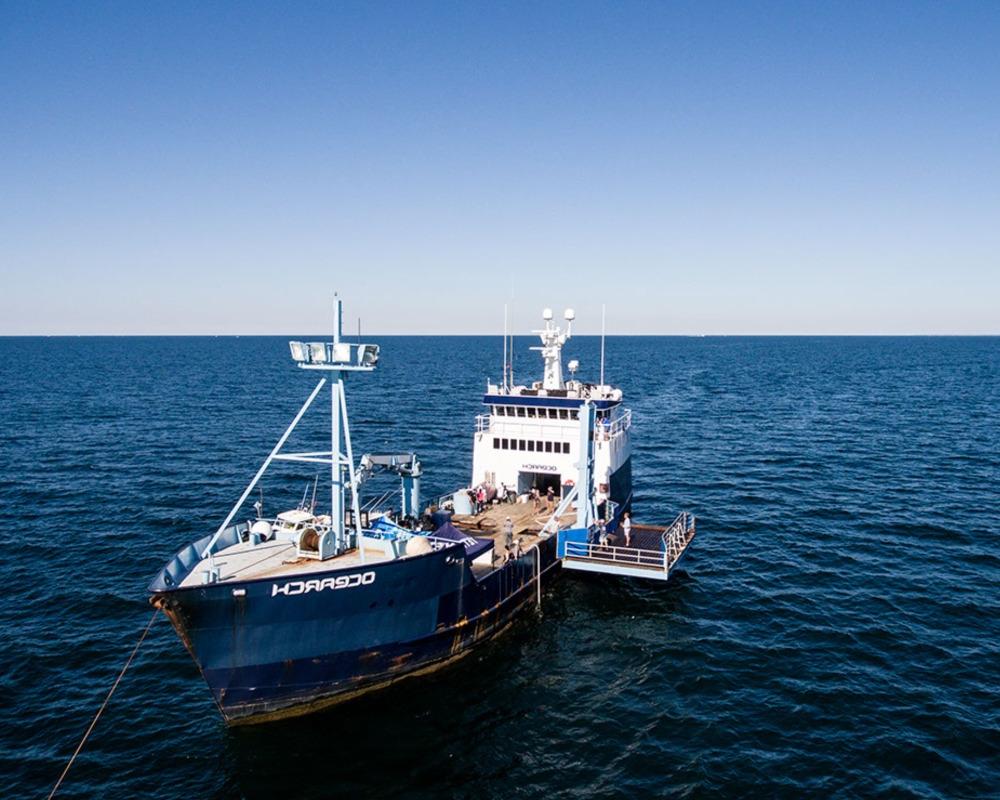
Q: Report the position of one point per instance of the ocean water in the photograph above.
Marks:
(835, 630)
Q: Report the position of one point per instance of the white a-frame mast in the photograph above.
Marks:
(339, 358)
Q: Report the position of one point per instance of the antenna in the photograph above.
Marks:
(337, 312)
(512, 356)
(504, 381)
(312, 505)
(603, 310)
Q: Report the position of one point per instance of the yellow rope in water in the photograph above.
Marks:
(104, 705)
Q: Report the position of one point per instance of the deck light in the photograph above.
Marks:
(317, 352)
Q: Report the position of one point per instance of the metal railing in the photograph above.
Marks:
(677, 536)
(624, 556)
(545, 429)
(615, 427)
(527, 430)
(673, 541)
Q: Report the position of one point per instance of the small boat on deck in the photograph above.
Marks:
(290, 613)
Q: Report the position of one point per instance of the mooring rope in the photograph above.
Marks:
(104, 705)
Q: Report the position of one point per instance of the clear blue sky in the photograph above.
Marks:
(700, 167)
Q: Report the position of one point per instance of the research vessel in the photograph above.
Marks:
(289, 613)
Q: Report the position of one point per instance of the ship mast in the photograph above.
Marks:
(336, 462)
(553, 340)
(339, 358)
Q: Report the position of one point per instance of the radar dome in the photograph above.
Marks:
(570, 314)
(547, 314)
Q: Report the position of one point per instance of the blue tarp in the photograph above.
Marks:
(473, 547)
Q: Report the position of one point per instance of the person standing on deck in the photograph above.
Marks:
(627, 528)
(602, 536)
(508, 533)
(550, 497)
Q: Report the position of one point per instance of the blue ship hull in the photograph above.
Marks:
(276, 647)
(279, 647)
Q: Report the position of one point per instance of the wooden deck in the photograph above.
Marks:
(528, 523)
(244, 561)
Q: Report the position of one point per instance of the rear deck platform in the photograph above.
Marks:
(653, 551)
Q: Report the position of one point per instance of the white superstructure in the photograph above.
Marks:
(530, 435)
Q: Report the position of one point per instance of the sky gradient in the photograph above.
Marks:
(700, 168)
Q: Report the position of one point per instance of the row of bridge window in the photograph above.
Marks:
(532, 411)
(530, 445)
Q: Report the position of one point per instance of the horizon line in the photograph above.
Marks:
(354, 336)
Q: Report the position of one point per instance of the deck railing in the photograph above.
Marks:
(550, 429)
(615, 427)
(677, 536)
(624, 556)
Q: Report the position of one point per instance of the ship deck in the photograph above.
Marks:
(244, 561)
(528, 523)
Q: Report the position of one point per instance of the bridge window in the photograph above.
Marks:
(520, 411)
(496, 444)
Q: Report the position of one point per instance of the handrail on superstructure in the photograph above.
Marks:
(551, 429)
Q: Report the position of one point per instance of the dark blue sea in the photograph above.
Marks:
(835, 630)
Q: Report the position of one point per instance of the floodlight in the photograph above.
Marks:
(342, 352)
(317, 352)
(368, 355)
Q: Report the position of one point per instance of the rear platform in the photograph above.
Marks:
(653, 552)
